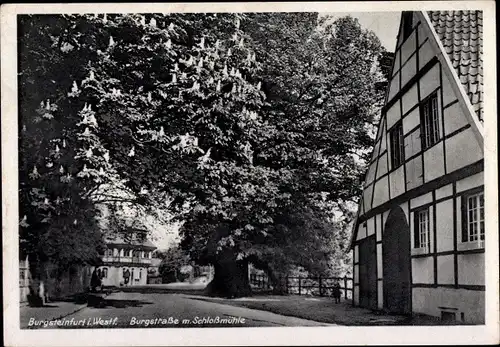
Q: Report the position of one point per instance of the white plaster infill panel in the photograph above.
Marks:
(408, 47)
(397, 182)
(370, 226)
(393, 114)
(356, 295)
(454, 118)
(444, 225)
(370, 175)
(430, 301)
(434, 162)
(378, 225)
(381, 193)
(382, 166)
(470, 182)
(361, 232)
(410, 98)
(379, 261)
(411, 120)
(367, 197)
(380, 294)
(423, 270)
(446, 269)
(383, 141)
(425, 54)
(471, 269)
(409, 70)
(444, 191)
(462, 149)
(421, 200)
(429, 82)
(394, 86)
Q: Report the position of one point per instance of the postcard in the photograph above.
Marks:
(249, 173)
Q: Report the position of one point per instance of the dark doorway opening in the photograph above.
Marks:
(368, 273)
(397, 263)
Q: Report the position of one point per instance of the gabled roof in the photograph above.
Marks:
(461, 34)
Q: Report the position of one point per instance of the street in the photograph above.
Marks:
(163, 310)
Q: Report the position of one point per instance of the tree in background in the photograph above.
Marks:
(172, 260)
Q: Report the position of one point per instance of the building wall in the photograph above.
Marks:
(115, 275)
(416, 74)
(449, 276)
(118, 258)
(467, 305)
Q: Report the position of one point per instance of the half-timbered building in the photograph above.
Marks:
(418, 239)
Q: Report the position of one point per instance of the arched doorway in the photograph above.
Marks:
(397, 263)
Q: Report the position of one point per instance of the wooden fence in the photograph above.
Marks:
(319, 286)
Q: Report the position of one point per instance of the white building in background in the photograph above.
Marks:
(126, 262)
(419, 236)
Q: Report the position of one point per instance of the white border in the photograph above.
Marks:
(458, 335)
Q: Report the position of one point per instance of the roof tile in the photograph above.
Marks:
(461, 35)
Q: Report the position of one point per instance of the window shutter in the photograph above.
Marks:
(416, 234)
(465, 234)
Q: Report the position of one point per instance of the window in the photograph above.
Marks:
(140, 273)
(422, 229)
(109, 252)
(104, 272)
(429, 121)
(397, 145)
(473, 214)
(130, 253)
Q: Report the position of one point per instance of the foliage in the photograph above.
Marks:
(320, 85)
(172, 260)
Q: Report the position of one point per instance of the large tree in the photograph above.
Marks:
(319, 78)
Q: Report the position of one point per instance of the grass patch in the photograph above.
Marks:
(321, 309)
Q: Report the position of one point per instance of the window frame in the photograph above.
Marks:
(417, 230)
(480, 234)
(396, 132)
(104, 272)
(430, 131)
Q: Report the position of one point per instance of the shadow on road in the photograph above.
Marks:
(162, 290)
(107, 303)
(45, 306)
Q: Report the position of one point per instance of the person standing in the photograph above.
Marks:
(95, 281)
(336, 292)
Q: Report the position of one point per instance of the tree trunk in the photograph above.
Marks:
(230, 276)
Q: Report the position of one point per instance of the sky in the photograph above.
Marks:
(384, 24)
